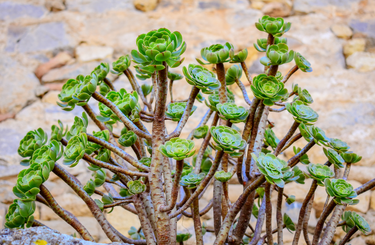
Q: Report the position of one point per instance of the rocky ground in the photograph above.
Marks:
(45, 42)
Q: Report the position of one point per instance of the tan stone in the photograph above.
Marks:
(354, 45)
(145, 5)
(234, 191)
(358, 241)
(51, 97)
(86, 53)
(59, 60)
(342, 31)
(361, 61)
(361, 174)
(277, 9)
(372, 200)
(364, 199)
(123, 220)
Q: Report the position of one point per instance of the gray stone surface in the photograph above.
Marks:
(10, 11)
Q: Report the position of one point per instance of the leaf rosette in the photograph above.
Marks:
(127, 138)
(156, 47)
(19, 214)
(310, 132)
(320, 172)
(302, 63)
(178, 149)
(216, 53)
(103, 135)
(268, 89)
(350, 157)
(32, 141)
(233, 74)
(79, 126)
(136, 187)
(360, 223)
(228, 140)
(58, 132)
(223, 176)
(121, 64)
(75, 150)
(174, 76)
(334, 157)
(176, 110)
(302, 113)
(77, 91)
(261, 45)
(342, 191)
(304, 96)
(274, 26)
(271, 167)
(201, 77)
(28, 182)
(232, 112)
(277, 54)
(201, 132)
(238, 57)
(270, 138)
(103, 155)
(214, 99)
(101, 71)
(192, 180)
(182, 237)
(338, 145)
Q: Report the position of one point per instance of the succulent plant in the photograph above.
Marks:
(201, 132)
(320, 172)
(228, 140)
(28, 182)
(156, 47)
(304, 96)
(79, 126)
(146, 161)
(77, 91)
(176, 110)
(338, 145)
(135, 234)
(99, 177)
(89, 187)
(192, 180)
(32, 141)
(58, 132)
(277, 54)
(302, 113)
(302, 63)
(238, 57)
(146, 89)
(289, 225)
(233, 74)
(101, 71)
(201, 77)
(294, 175)
(213, 99)
(216, 53)
(103, 155)
(178, 149)
(126, 102)
(274, 26)
(334, 157)
(310, 132)
(352, 219)
(341, 190)
(232, 112)
(268, 89)
(75, 150)
(270, 138)
(271, 167)
(19, 214)
(350, 157)
(182, 237)
(262, 43)
(223, 176)
(104, 89)
(136, 187)
(121, 64)
(127, 138)
(304, 159)
(174, 76)
(92, 147)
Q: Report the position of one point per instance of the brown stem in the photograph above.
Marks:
(279, 217)
(155, 175)
(37, 223)
(268, 213)
(365, 187)
(260, 221)
(332, 224)
(290, 73)
(177, 178)
(291, 141)
(306, 221)
(223, 85)
(348, 235)
(286, 138)
(145, 222)
(95, 210)
(109, 83)
(65, 215)
(322, 219)
(273, 70)
(217, 192)
(201, 212)
(171, 89)
(303, 211)
(136, 87)
(294, 160)
(246, 71)
(197, 222)
(244, 92)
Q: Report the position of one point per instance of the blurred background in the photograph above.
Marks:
(43, 43)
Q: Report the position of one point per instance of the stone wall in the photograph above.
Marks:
(45, 42)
